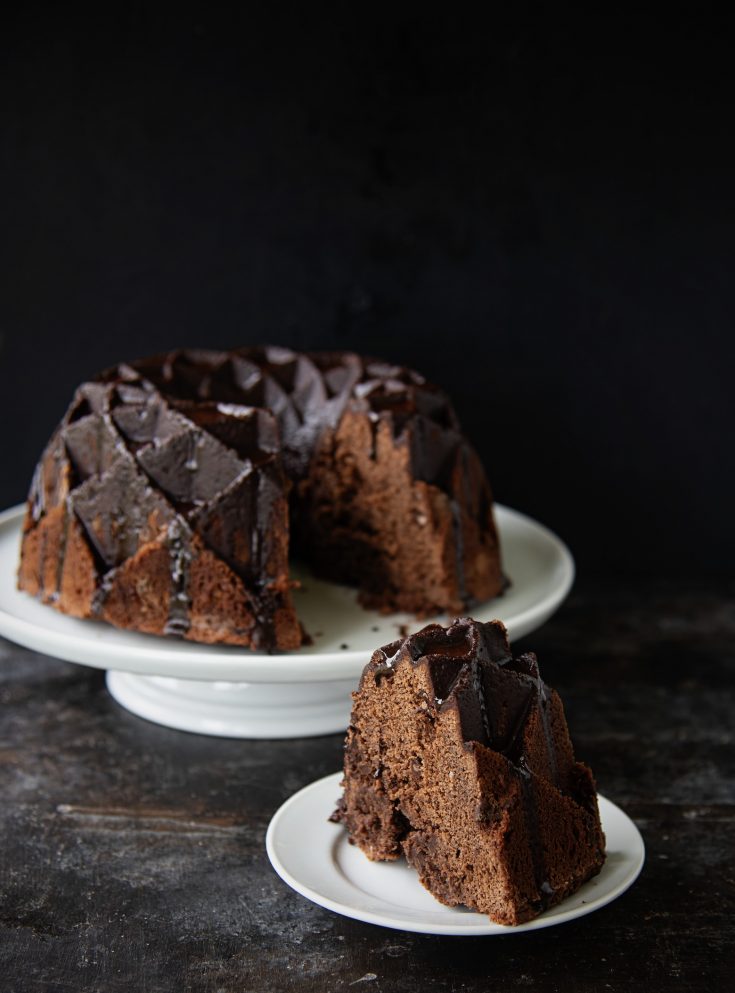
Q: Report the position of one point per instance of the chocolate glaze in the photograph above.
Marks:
(545, 890)
(179, 545)
(50, 481)
(472, 666)
(308, 393)
(119, 511)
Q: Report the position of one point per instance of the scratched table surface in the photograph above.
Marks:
(133, 857)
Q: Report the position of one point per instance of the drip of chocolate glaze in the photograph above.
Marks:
(100, 593)
(384, 660)
(461, 497)
(179, 545)
(38, 496)
(479, 689)
(62, 550)
(459, 551)
(540, 875)
(513, 745)
(526, 665)
(544, 711)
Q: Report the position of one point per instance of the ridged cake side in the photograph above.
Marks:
(140, 516)
(458, 756)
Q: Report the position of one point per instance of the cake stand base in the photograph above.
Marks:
(236, 710)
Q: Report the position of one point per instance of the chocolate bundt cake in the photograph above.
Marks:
(458, 757)
(169, 497)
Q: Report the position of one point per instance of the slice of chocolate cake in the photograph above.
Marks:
(458, 756)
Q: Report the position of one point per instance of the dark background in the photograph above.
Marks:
(536, 213)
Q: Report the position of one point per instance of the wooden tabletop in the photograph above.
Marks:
(133, 856)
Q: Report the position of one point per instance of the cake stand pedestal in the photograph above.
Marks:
(236, 710)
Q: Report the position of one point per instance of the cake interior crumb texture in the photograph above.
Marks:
(175, 489)
(458, 757)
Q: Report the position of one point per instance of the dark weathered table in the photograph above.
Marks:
(133, 857)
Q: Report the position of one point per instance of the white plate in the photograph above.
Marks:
(240, 693)
(314, 857)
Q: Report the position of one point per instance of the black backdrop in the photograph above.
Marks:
(538, 215)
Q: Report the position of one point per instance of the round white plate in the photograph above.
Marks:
(314, 857)
(240, 693)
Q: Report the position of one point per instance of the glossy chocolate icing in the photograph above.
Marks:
(472, 667)
(308, 393)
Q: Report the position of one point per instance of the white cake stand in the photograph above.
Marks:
(237, 693)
